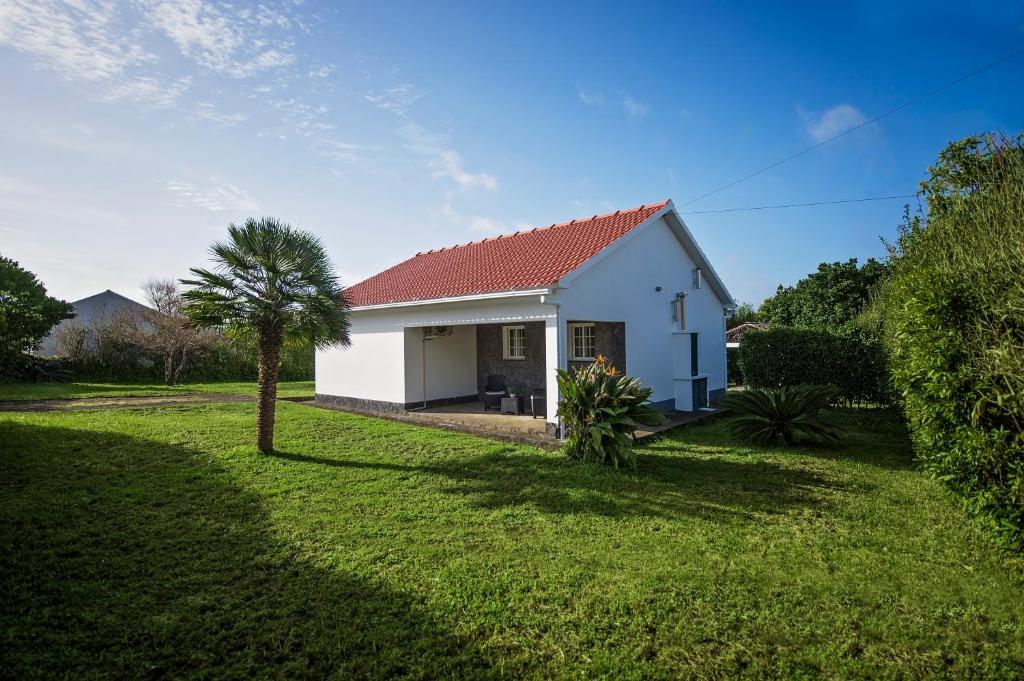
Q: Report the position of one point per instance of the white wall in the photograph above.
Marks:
(622, 287)
(372, 368)
(382, 363)
(451, 364)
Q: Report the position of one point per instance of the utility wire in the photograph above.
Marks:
(801, 205)
(911, 102)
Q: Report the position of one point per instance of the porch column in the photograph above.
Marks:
(555, 357)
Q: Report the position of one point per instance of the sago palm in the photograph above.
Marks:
(785, 415)
(275, 283)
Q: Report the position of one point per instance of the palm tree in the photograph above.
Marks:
(275, 283)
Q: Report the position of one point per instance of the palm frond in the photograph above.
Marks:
(269, 276)
(787, 415)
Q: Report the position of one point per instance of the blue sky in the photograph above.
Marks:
(132, 134)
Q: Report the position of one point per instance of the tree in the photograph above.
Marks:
(829, 299)
(26, 313)
(275, 283)
(168, 332)
(745, 312)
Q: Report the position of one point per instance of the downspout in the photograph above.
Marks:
(423, 366)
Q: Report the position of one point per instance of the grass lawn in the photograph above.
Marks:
(49, 391)
(159, 543)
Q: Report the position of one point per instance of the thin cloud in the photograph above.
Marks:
(225, 43)
(634, 108)
(340, 151)
(79, 42)
(208, 111)
(216, 197)
(396, 99)
(591, 98)
(148, 91)
(830, 122)
(449, 164)
(443, 160)
(321, 72)
(477, 224)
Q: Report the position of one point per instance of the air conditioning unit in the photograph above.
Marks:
(437, 331)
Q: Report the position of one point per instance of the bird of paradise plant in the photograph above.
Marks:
(601, 409)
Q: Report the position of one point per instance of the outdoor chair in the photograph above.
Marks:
(494, 391)
(539, 402)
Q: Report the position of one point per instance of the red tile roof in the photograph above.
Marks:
(527, 259)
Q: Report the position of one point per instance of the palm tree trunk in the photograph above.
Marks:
(266, 394)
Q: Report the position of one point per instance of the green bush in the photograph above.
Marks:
(226, 361)
(954, 320)
(732, 358)
(601, 409)
(851, 360)
(782, 415)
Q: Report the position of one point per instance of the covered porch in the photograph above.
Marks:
(475, 374)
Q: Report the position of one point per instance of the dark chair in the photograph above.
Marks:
(539, 402)
(494, 391)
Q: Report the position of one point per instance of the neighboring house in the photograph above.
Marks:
(101, 306)
(632, 285)
(733, 335)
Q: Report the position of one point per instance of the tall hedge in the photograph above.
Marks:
(954, 319)
(851, 360)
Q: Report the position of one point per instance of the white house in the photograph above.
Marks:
(631, 285)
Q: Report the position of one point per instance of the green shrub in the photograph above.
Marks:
(732, 358)
(954, 320)
(601, 409)
(226, 361)
(788, 415)
(851, 360)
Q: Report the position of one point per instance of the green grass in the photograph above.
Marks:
(158, 543)
(77, 389)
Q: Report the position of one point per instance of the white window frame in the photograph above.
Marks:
(572, 342)
(506, 342)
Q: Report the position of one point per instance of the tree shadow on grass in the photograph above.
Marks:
(663, 487)
(123, 557)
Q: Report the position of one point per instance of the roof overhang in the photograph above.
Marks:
(682, 232)
(498, 295)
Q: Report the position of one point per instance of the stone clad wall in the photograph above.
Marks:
(524, 374)
(610, 341)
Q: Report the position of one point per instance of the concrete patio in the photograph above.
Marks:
(472, 415)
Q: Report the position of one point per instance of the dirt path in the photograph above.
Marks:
(79, 403)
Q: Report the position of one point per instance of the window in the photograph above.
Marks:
(582, 342)
(697, 277)
(513, 342)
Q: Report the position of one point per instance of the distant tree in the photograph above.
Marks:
(167, 332)
(829, 298)
(745, 312)
(26, 313)
(276, 283)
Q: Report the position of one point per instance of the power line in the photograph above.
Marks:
(802, 205)
(911, 102)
